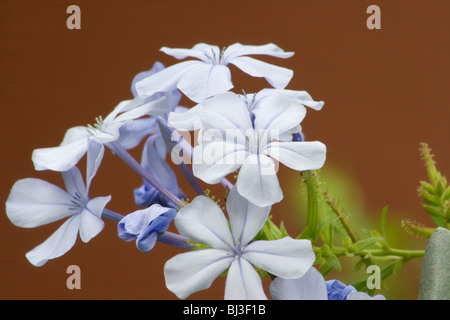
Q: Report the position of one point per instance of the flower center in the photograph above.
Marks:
(77, 202)
(97, 125)
(215, 58)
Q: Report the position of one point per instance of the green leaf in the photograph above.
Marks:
(363, 244)
(435, 274)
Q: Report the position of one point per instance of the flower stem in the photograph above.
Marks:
(111, 215)
(175, 240)
(125, 156)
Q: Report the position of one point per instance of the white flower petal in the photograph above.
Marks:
(311, 286)
(203, 221)
(205, 80)
(108, 133)
(61, 241)
(355, 295)
(226, 112)
(189, 120)
(270, 49)
(212, 161)
(278, 77)
(301, 96)
(298, 155)
(66, 155)
(164, 80)
(257, 181)
(34, 202)
(287, 258)
(243, 282)
(196, 52)
(278, 112)
(123, 107)
(75, 184)
(91, 223)
(155, 107)
(132, 133)
(95, 152)
(193, 271)
(246, 219)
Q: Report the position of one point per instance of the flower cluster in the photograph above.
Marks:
(248, 133)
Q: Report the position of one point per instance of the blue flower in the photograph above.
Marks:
(337, 290)
(154, 162)
(145, 225)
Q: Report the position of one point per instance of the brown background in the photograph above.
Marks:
(385, 91)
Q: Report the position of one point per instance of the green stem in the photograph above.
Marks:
(405, 254)
(347, 225)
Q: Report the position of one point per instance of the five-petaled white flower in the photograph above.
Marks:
(75, 142)
(203, 221)
(189, 119)
(232, 138)
(202, 79)
(35, 202)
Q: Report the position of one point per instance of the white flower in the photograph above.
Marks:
(233, 138)
(203, 221)
(210, 75)
(34, 202)
(190, 119)
(75, 142)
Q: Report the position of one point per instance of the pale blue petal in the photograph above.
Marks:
(226, 112)
(298, 155)
(301, 96)
(203, 221)
(186, 121)
(155, 107)
(148, 243)
(355, 295)
(165, 80)
(75, 185)
(198, 52)
(154, 161)
(278, 112)
(157, 66)
(270, 49)
(61, 241)
(143, 225)
(193, 271)
(34, 202)
(287, 258)
(257, 181)
(246, 219)
(204, 81)
(66, 155)
(212, 161)
(338, 290)
(91, 223)
(311, 286)
(95, 154)
(132, 133)
(278, 77)
(243, 282)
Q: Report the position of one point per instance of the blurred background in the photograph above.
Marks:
(385, 92)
